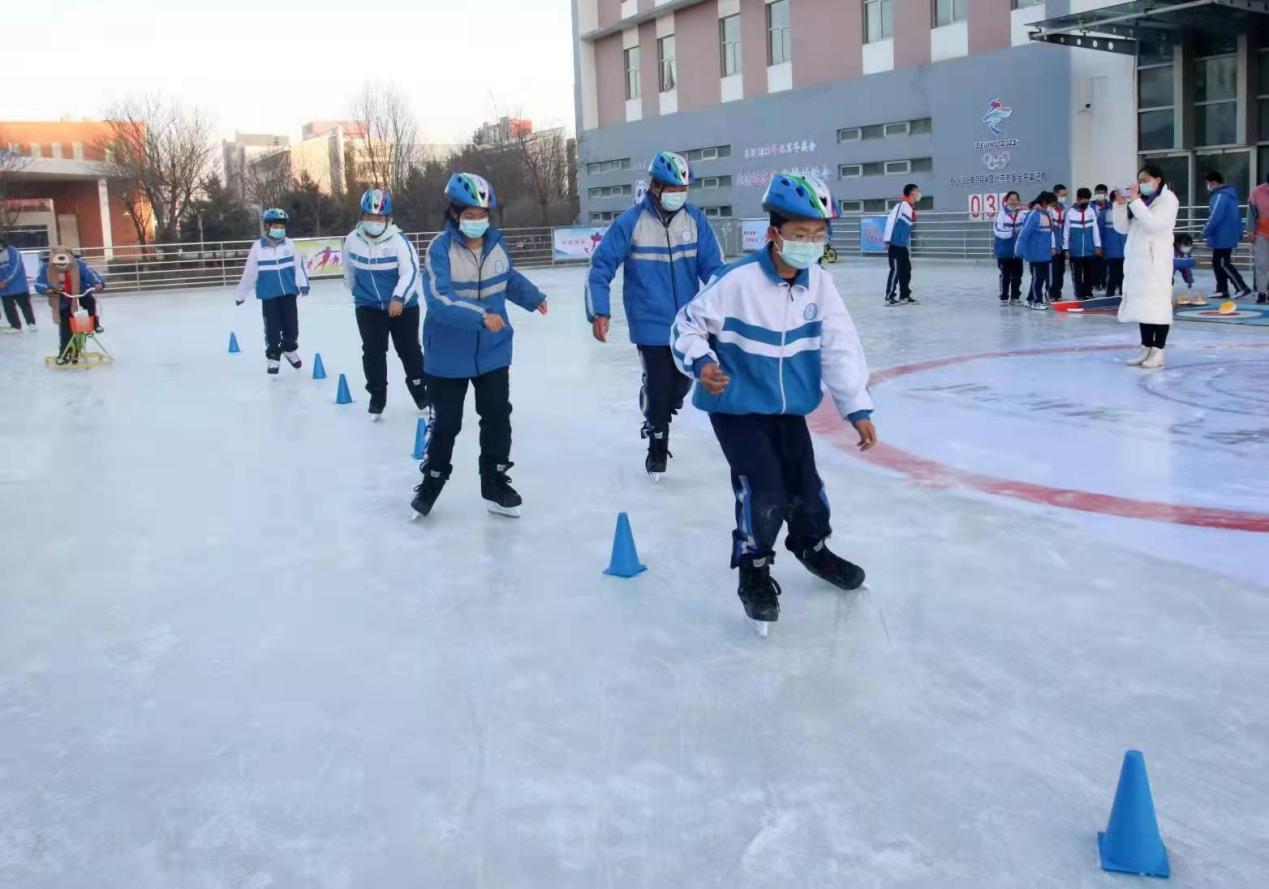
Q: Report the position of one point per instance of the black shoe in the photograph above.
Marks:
(891, 301)
(1262, 299)
(418, 391)
(827, 565)
(909, 301)
(97, 328)
(658, 452)
(496, 490)
(758, 591)
(428, 490)
(377, 402)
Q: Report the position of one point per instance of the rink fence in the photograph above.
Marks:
(938, 236)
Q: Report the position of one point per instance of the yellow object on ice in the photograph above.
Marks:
(1198, 300)
(1183, 299)
(1229, 307)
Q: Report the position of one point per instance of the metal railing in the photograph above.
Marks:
(938, 235)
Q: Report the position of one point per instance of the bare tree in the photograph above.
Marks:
(267, 180)
(159, 150)
(389, 146)
(11, 164)
(545, 159)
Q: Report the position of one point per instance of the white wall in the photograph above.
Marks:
(1103, 118)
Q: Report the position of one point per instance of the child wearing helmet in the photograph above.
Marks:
(760, 340)
(468, 280)
(381, 268)
(276, 275)
(668, 250)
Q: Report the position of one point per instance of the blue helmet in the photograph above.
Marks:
(275, 214)
(669, 168)
(377, 201)
(799, 197)
(470, 190)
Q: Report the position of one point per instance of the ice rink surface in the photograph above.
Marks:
(228, 660)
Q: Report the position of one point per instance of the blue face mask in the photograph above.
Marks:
(372, 229)
(801, 254)
(277, 233)
(473, 228)
(673, 200)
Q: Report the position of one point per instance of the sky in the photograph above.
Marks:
(269, 66)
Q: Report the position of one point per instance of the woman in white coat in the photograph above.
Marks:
(1147, 215)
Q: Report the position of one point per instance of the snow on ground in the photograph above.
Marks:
(228, 659)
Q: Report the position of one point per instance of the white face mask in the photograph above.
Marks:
(1148, 188)
(673, 200)
(372, 229)
(277, 234)
(1100, 196)
(801, 254)
(1062, 200)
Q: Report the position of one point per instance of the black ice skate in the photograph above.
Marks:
(274, 364)
(377, 402)
(909, 300)
(495, 488)
(827, 565)
(658, 454)
(293, 360)
(418, 391)
(426, 492)
(759, 593)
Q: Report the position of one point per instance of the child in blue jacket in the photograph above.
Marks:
(1112, 252)
(1037, 246)
(63, 277)
(275, 274)
(668, 250)
(1223, 233)
(14, 290)
(1083, 239)
(1005, 235)
(468, 278)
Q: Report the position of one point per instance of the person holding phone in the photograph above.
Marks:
(1145, 212)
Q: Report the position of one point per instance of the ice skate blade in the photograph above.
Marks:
(656, 477)
(375, 418)
(761, 627)
(511, 512)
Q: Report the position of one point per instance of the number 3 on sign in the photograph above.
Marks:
(991, 205)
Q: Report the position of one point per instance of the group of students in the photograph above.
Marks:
(69, 283)
(1046, 235)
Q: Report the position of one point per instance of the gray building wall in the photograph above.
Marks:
(1033, 80)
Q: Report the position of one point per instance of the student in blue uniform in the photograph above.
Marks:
(64, 276)
(761, 340)
(276, 275)
(1083, 241)
(1101, 202)
(468, 281)
(669, 250)
(14, 289)
(1005, 235)
(1036, 247)
(381, 268)
(1112, 252)
(1057, 267)
(898, 241)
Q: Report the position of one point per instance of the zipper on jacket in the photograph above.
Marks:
(480, 280)
(371, 272)
(674, 287)
(784, 331)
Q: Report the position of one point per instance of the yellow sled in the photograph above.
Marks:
(76, 355)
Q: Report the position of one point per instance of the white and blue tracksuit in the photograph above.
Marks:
(462, 286)
(1083, 240)
(379, 272)
(781, 343)
(1005, 238)
(898, 240)
(667, 258)
(276, 275)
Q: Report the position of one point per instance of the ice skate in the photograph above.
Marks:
(418, 391)
(10, 329)
(759, 593)
(1136, 360)
(377, 402)
(293, 360)
(891, 301)
(32, 328)
(1154, 360)
(658, 454)
(909, 300)
(500, 498)
(274, 365)
(828, 566)
(426, 492)
(1262, 299)
(97, 328)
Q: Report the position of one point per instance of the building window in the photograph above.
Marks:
(947, 12)
(850, 171)
(849, 134)
(632, 73)
(922, 126)
(878, 20)
(779, 42)
(716, 212)
(1235, 166)
(926, 202)
(1155, 100)
(712, 153)
(1262, 97)
(665, 56)
(35, 150)
(1216, 97)
(611, 166)
(1176, 168)
(600, 216)
(77, 150)
(729, 38)
(900, 128)
(714, 182)
(898, 168)
(874, 131)
(921, 165)
(1025, 4)
(875, 168)
(851, 206)
(875, 205)
(57, 149)
(611, 191)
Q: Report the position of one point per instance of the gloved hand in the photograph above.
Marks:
(303, 291)
(239, 301)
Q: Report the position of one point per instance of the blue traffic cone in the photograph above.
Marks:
(342, 395)
(420, 439)
(625, 558)
(233, 343)
(1131, 842)
(319, 369)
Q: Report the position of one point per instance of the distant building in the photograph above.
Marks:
(243, 151)
(502, 130)
(58, 188)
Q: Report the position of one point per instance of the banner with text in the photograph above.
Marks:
(576, 244)
(872, 234)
